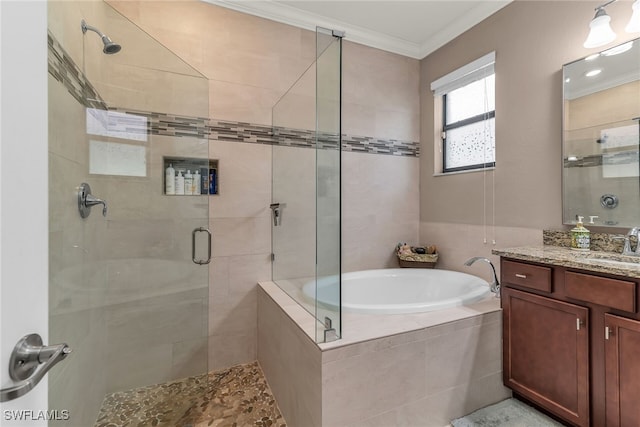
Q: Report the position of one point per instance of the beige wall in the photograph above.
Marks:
(532, 40)
(615, 104)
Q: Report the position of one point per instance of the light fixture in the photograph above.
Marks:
(634, 23)
(601, 32)
(593, 73)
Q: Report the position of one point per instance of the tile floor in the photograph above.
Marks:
(238, 396)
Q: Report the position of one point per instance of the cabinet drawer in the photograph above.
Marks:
(528, 276)
(613, 293)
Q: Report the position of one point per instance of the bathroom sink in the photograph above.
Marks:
(622, 261)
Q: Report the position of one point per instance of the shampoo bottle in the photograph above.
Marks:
(580, 237)
(170, 180)
(197, 184)
(188, 183)
(179, 183)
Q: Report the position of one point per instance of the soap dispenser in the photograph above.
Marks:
(580, 237)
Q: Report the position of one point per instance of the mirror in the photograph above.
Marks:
(601, 138)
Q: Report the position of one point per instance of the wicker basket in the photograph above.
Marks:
(418, 260)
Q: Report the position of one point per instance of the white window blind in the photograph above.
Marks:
(464, 75)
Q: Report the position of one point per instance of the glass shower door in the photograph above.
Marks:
(129, 287)
(306, 188)
(328, 180)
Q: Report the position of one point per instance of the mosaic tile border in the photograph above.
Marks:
(64, 70)
(614, 158)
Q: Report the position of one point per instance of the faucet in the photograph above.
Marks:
(627, 242)
(495, 286)
(92, 201)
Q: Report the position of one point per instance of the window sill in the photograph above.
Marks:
(467, 171)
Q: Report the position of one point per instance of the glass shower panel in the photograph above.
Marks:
(328, 143)
(124, 292)
(293, 187)
(306, 188)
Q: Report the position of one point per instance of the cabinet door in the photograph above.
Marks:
(545, 353)
(622, 359)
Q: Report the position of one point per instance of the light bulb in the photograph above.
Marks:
(601, 32)
(634, 23)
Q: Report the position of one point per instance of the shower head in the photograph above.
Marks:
(109, 46)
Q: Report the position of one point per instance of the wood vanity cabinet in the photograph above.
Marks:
(546, 353)
(622, 364)
(571, 342)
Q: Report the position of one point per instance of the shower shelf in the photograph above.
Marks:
(209, 182)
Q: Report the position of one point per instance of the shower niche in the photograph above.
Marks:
(191, 176)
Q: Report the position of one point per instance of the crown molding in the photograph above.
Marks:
(298, 18)
(465, 22)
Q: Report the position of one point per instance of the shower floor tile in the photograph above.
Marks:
(238, 396)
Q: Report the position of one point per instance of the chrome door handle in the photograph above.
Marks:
(27, 355)
(193, 246)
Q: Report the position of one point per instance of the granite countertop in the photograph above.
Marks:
(596, 261)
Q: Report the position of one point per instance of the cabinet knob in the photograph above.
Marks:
(521, 276)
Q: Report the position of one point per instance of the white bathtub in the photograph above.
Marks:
(398, 290)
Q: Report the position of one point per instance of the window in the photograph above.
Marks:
(468, 116)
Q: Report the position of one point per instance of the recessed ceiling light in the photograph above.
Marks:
(618, 49)
(592, 57)
(567, 80)
(593, 73)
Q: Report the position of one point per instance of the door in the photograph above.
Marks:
(126, 287)
(23, 227)
(546, 345)
(622, 347)
(128, 283)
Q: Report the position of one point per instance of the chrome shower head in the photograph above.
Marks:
(109, 46)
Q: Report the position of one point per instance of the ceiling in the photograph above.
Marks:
(413, 28)
(615, 69)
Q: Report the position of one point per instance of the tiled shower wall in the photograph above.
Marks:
(249, 63)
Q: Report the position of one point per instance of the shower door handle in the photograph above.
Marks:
(193, 246)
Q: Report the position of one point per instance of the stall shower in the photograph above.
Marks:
(131, 281)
